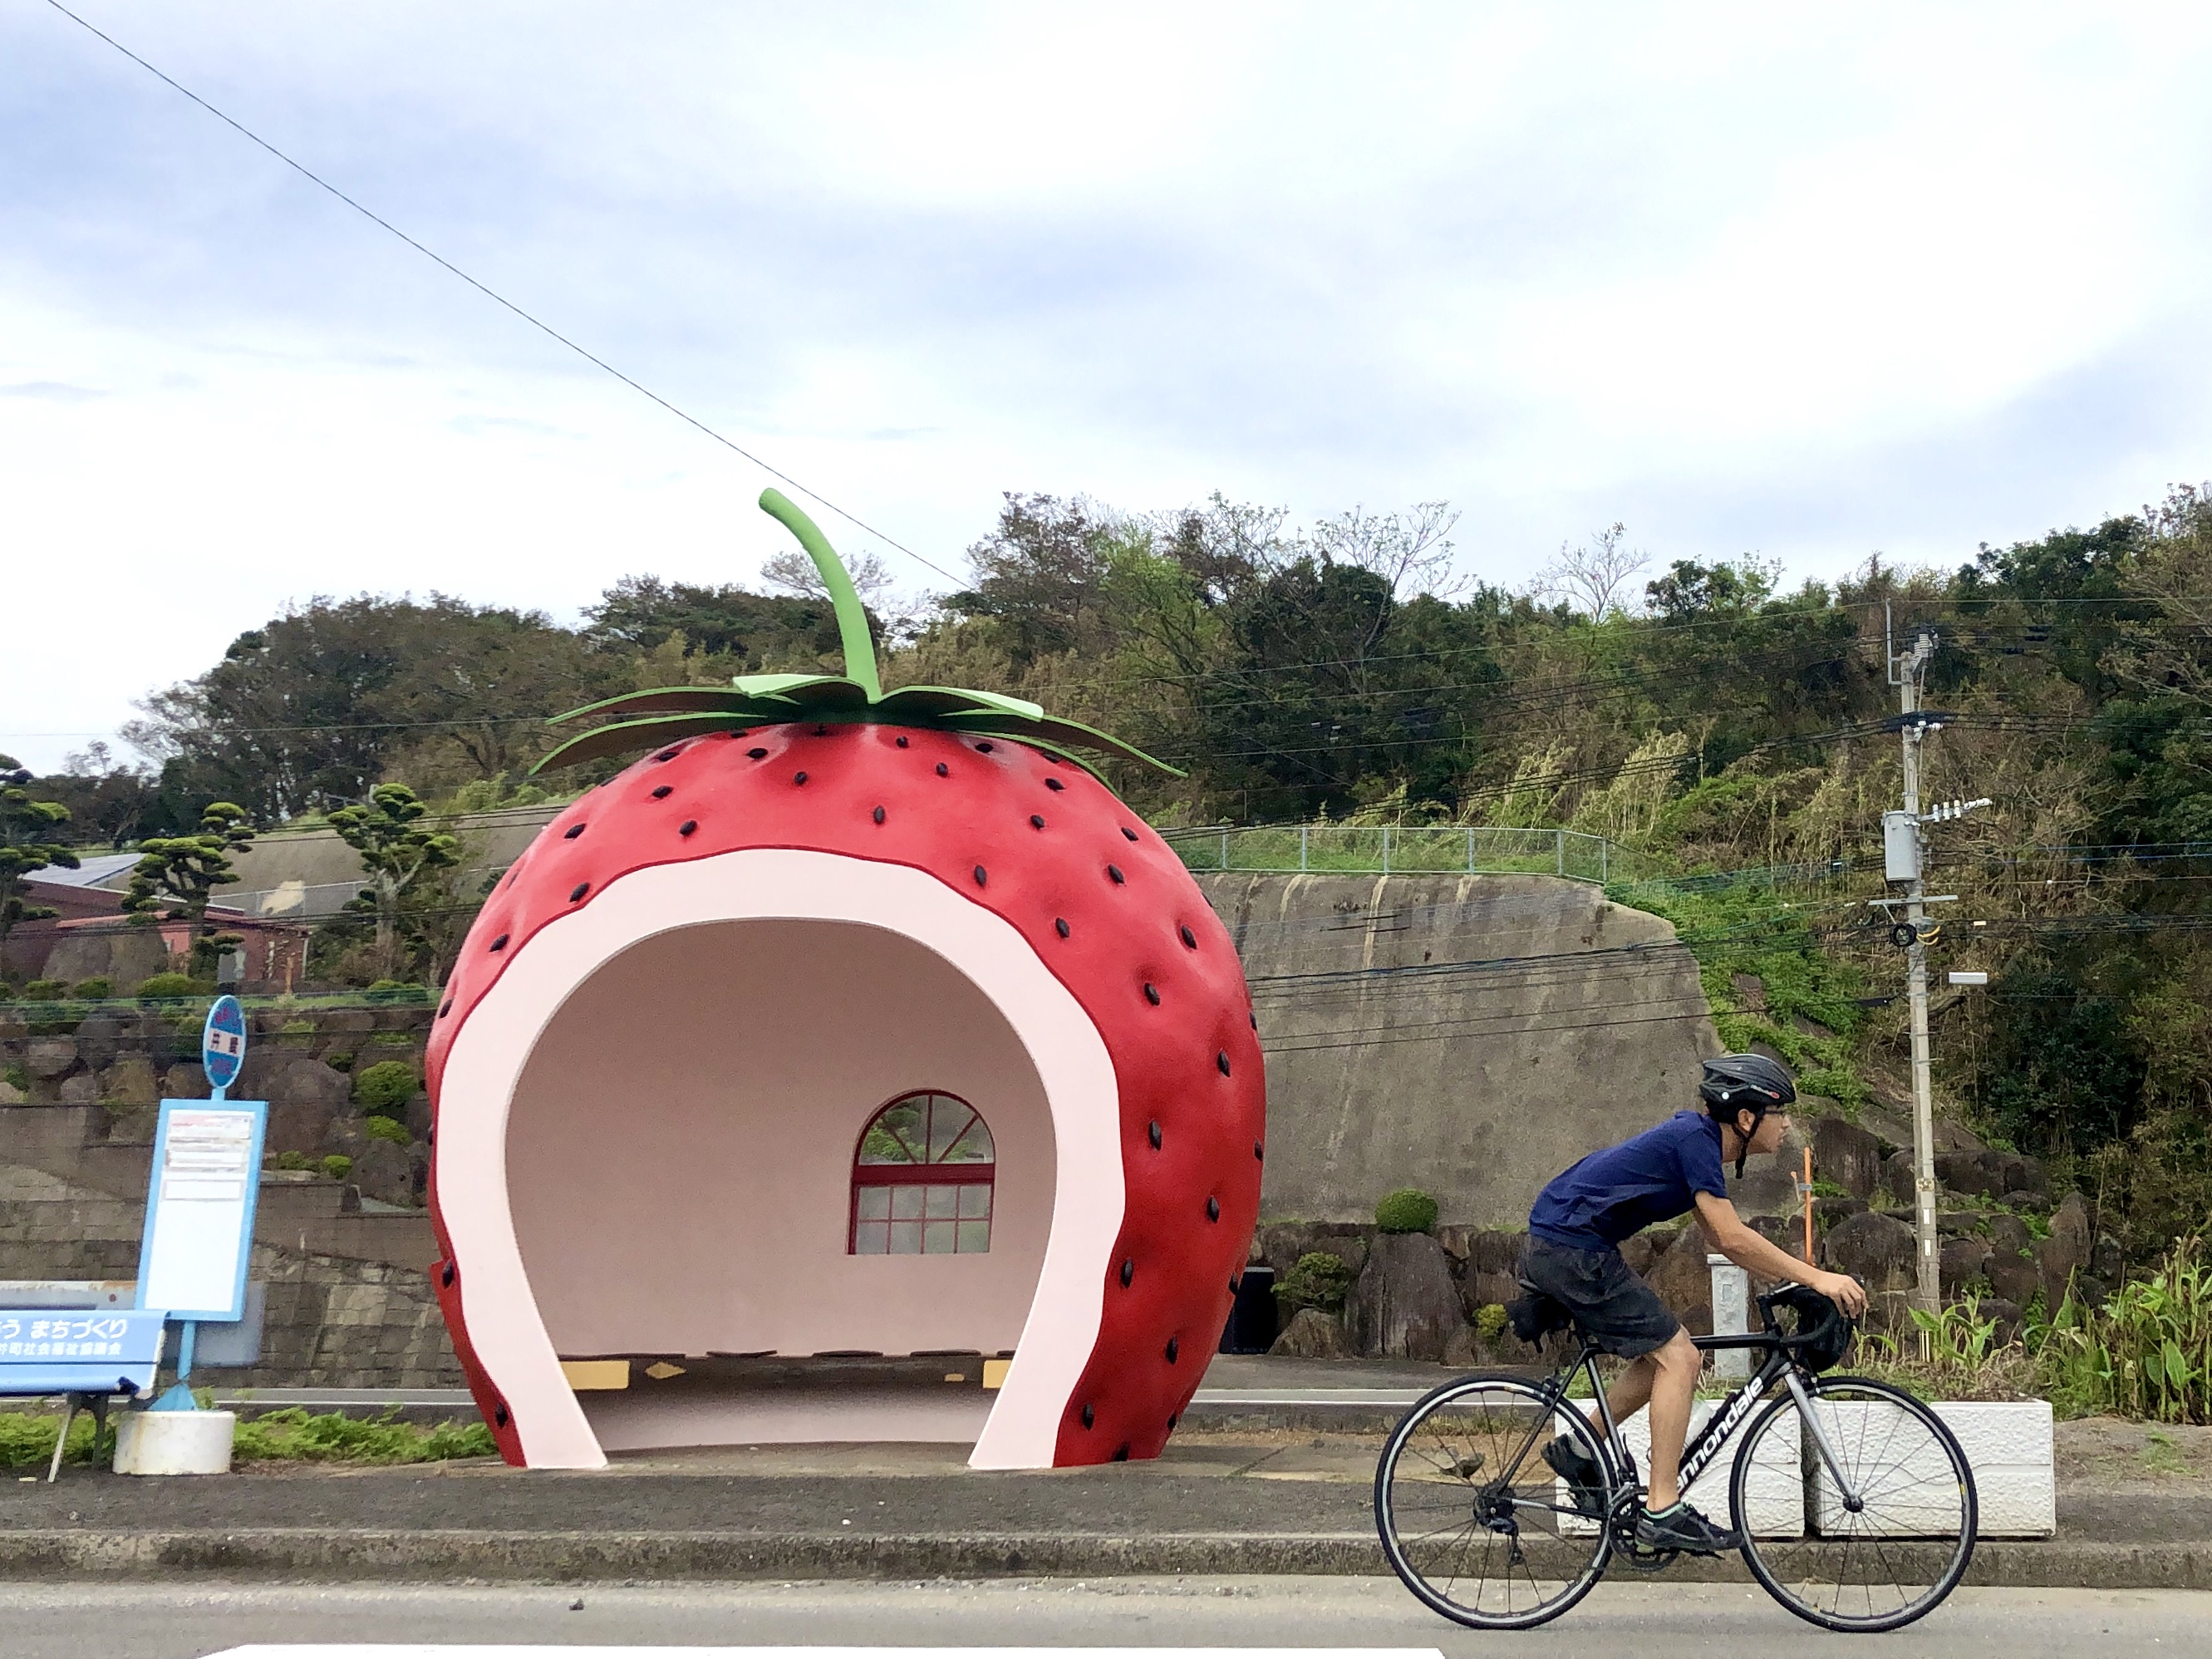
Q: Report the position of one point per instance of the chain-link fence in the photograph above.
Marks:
(1388, 850)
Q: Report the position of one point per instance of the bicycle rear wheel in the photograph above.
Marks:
(1909, 1543)
(1473, 1519)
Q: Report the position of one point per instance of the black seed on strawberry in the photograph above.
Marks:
(1255, 1018)
(500, 944)
(687, 826)
(798, 777)
(1054, 784)
(1115, 871)
(943, 771)
(982, 877)
(1189, 939)
(1129, 1271)
(1152, 994)
(1088, 1417)
(446, 1007)
(1258, 1152)
(755, 754)
(982, 748)
(1221, 1058)
(902, 743)
(879, 815)
(446, 1277)
(573, 830)
(1122, 1452)
(1059, 925)
(1174, 1348)
(1035, 823)
(665, 755)
(1153, 1134)
(579, 890)
(1173, 1417)
(1213, 1209)
(1127, 834)
(499, 1415)
(820, 731)
(663, 791)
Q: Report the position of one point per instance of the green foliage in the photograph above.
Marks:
(1490, 1320)
(379, 1128)
(2146, 1353)
(45, 990)
(342, 1061)
(163, 987)
(1408, 1210)
(27, 1438)
(293, 1435)
(294, 1161)
(97, 988)
(1316, 1279)
(31, 838)
(337, 1166)
(390, 1083)
(176, 876)
(397, 851)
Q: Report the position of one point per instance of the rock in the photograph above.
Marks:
(1957, 1224)
(50, 1057)
(2013, 1277)
(298, 1127)
(185, 1081)
(1683, 1281)
(1313, 1335)
(1749, 990)
(1874, 1249)
(1964, 1261)
(353, 1020)
(309, 1082)
(383, 1172)
(2066, 1252)
(125, 956)
(2092, 1291)
(2025, 1201)
(1478, 1290)
(1641, 1251)
(418, 1116)
(1827, 1211)
(1897, 1176)
(10, 1095)
(97, 1035)
(347, 1134)
(2105, 1260)
(1282, 1242)
(2006, 1312)
(2008, 1234)
(1495, 1250)
(80, 1089)
(131, 1082)
(1453, 1239)
(1849, 1156)
(1404, 1305)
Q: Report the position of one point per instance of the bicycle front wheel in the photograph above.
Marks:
(1472, 1517)
(1887, 1542)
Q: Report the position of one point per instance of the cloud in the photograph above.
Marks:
(52, 392)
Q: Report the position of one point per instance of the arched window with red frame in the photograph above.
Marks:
(923, 1178)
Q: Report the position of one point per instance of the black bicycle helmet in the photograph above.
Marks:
(1744, 1083)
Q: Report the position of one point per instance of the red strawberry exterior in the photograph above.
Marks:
(1042, 845)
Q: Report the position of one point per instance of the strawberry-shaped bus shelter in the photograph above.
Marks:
(844, 1024)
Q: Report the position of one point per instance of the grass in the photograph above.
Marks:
(290, 1435)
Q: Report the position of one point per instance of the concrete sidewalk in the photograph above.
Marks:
(1280, 1502)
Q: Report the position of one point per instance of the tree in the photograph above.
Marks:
(176, 876)
(397, 850)
(1593, 581)
(30, 832)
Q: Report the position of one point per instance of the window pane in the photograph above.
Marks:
(871, 1238)
(948, 1120)
(875, 1203)
(943, 1204)
(974, 1146)
(906, 1203)
(906, 1239)
(974, 1237)
(937, 1238)
(899, 1133)
(974, 1202)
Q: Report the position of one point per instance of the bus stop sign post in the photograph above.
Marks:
(199, 1208)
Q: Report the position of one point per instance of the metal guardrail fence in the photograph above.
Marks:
(1384, 849)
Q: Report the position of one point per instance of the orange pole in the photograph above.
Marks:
(1808, 1190)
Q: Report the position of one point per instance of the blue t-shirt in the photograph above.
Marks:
(1618, 1193)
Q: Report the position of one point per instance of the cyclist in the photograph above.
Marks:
(1575, 1231)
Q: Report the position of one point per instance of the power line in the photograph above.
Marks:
(542, 326)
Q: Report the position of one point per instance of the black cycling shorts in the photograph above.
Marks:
(1615, 1309)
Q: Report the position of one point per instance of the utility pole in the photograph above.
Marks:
(1901, 848)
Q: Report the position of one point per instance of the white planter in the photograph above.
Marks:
(1774, 1495)
(174, 1443)
(2008, 1445)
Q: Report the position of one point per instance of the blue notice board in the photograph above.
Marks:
(199, 1208)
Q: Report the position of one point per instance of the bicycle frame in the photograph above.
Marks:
(1730, 1416)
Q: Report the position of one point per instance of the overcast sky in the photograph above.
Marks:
(1807, 282)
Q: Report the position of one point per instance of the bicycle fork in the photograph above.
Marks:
(1854, 1502)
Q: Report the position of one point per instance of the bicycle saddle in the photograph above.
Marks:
(1535, 1316)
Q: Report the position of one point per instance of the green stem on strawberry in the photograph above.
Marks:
(853, 631)
(856, 697)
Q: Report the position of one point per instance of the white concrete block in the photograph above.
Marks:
(174, 1443)
(2008, 1445)
(1775, 1494)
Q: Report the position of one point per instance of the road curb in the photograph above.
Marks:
(333, 1555)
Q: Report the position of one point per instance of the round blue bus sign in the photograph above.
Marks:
(223, 1044)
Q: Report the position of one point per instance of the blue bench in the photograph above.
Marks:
(88, 1355)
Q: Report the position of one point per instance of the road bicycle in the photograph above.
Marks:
(1856, 1503)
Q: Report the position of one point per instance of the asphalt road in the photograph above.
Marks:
(1655, 1621)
